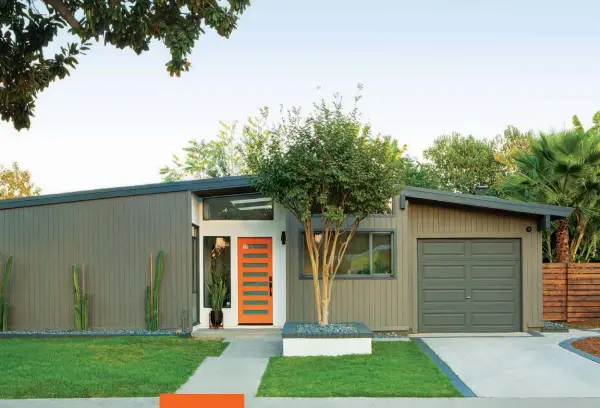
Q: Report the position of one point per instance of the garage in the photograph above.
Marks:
(469, 285)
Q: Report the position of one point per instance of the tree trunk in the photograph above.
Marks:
(581, 227)
(562, 240)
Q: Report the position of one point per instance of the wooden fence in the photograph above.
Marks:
(571, 291)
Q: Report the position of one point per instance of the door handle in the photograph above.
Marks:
(271, 286)
(468, 297)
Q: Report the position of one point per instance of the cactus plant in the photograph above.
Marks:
(153, 293)
(80, 307)
(4, 307)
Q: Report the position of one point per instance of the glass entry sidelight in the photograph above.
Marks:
(255, 281)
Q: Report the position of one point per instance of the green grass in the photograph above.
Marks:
(395, 369)
(108, 367)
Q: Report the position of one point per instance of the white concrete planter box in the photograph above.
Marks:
(297, 344)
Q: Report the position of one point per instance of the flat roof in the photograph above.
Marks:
(486, 202)
(241, 184)
(203, 187)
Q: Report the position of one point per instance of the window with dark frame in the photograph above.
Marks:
(368, 254)
(244, 207)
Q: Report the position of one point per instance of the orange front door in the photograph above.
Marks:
(255, 281)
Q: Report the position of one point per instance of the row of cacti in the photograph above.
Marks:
(81, 306)
(4, 279)
(153, 293)
(81, 302)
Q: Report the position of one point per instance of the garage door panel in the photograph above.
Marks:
(436, 248)
(495, 272)
(494, 249)
(443, 295)
(509, 295)
(445, 319)
(472, 286)
(482, 319)
(444, 272)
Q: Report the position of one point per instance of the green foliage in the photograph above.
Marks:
(80, 307)
(4, 306)
(205, 159)
(561, 168)
(417, 174)
(507, 146)
(153, 295)
(15, 183)
(595, 129)
(28, 28)
(329, 163)
(463, 162)
(217, 290)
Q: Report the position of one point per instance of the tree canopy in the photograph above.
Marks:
(15, 183)
(561, 168)
(27, 29)
(463, 162)
(208, 158)
(326, 163)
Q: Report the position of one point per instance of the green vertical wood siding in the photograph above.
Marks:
(388, 304)
(113, 238)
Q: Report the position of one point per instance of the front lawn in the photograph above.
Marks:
(395, 369)
(101, 367)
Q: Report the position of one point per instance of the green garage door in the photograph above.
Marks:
(469, 285)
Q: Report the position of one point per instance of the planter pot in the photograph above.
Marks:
(216, 318)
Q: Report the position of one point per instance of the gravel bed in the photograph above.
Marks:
(93, 333)
(330, 328)
(555, 327)
(388, 335)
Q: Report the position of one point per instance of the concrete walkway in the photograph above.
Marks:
(237, 370)
(520, 366)
(323, 403)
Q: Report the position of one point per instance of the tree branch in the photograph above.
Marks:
(62, 9)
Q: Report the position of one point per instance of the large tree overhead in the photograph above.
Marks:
(327, 164)
(28, 27)
(15, 183)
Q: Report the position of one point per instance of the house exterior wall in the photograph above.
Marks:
(390, 303)
(113, 238)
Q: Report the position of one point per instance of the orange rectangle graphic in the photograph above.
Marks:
(201, 400)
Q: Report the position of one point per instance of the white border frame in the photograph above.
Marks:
(243, 229)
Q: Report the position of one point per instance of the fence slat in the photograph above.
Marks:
(571, 291)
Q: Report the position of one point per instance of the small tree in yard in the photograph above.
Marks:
(326, 165)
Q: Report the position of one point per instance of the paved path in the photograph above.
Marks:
(323, 403)
(237, 370)
(520, 366)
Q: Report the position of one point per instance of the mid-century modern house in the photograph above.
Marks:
(438, 262)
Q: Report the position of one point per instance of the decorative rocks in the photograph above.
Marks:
(308, 339)
(92, 333)
(559, 327)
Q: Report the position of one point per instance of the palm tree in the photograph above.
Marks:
(561, 168)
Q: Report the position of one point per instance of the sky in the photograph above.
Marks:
(428, 67)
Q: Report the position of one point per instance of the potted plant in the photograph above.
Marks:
(217, 290)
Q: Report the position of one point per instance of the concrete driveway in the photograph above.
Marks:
(520, 366)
